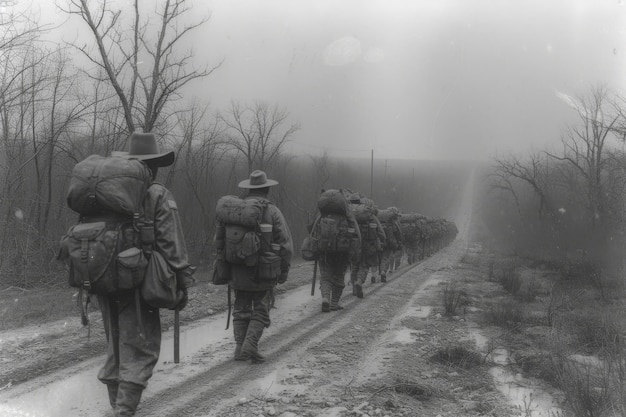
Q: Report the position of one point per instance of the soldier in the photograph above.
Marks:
(389, 220)
(338, 242)
(131, 356)
(252, 292)
(411, 236)
(372, 241)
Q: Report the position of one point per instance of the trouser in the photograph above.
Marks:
(360, 269)
(386, 261)
(333, 269)
(252, 306)
(396, 259)
(137, 353)
(133, 346)
(411, 250)
(251, 314)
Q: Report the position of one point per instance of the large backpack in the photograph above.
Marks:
(103, 250)
(243, 241)
(370, 242)
(332, 232)
(410, 226)
(241, 219)
(387, 220)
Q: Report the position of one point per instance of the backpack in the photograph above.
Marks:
(103, 250)
(387, 220)
(240, 218)
(331, 232)
(370, 242)
(243, 240)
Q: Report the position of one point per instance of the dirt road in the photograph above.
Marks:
(372, 358)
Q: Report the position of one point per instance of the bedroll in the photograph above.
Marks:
(108, 184)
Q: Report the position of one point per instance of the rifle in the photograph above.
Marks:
(314, 279)
(176, 336)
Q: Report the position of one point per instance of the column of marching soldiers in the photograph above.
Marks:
(351, 232)
(128, 250)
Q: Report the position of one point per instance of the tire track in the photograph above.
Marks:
(221, 386)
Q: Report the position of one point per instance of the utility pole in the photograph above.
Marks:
(372, 177)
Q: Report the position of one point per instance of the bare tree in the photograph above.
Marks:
(585, 147)
(143, 66)
(532, 172)
(321, 165)
(258, 132)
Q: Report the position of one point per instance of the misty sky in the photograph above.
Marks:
(413, 78)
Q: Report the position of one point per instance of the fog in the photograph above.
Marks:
(427, 79)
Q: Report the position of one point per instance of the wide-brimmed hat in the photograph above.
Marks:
(258, 179)
(143, 146)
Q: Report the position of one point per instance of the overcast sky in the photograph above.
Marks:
(413, 78)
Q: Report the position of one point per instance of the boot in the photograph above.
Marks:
(383, 277)
(334, 301)
(359, 289)
(325, 289)
(250, 344)
(240, 328)
(112, 389)
(128, 397)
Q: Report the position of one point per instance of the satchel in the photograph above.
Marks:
(221, 272)
(159, 288)
(309, 249)
(268, 268)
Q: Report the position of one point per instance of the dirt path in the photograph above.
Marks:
(374, 358)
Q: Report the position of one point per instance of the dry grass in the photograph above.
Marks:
(458, 357)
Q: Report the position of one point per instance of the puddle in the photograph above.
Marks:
(202, 343)
(403, 336)
(529, 399)
(526, 394)
(420, 312)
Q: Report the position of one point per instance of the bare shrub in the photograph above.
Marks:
(540, 365)
(559, 302)
(529, 290)
(587, 391)
(511, 281)
(506, 313)
(458, 357)
(593, 331)
(471, 259)
(453, 298)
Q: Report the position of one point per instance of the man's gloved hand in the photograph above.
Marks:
(183, 301)
(282, 277)
(185, 278)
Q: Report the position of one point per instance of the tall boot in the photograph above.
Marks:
(336, 296)
(112, 389)
(325, 289)
(251, 343)
(128, 397)
(240, 328)
(358, 287)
